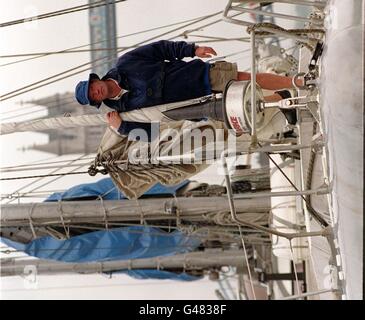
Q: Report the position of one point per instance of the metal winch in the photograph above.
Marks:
(237, 106)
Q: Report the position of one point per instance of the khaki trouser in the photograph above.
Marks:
(221, 72)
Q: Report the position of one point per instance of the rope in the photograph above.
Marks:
(178, 218)
(58, 52)
(44, 167)
(276, 27)
(31, 221)
(19, 91)
(142, 219)
(294, 266)
(67, 230)
(16, 92)
(43, 176)
(59, 12)
(308, 185)
(32, 112)
(97, 42)
(104, 212)
(48, 182)
(247, 262)
(52, 162)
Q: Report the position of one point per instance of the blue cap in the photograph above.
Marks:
(82, 91)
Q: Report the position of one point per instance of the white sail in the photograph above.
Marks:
(154, 113)
(53, 123)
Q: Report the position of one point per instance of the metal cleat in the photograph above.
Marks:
(310, 80)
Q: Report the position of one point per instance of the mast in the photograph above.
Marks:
(191, 209)
(201, 260)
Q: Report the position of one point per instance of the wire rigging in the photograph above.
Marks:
(101, 41)
(60, 12)
(22, 90)
(40, 178)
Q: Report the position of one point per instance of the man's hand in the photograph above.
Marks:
(114, 119)
(205, 52)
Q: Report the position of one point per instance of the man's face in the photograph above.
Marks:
(97, 90)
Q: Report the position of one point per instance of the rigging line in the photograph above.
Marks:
(39, 192)
(60, 52)
(60, 12)
(33, 182)
(105, 40)
(9, 96)
(242, 39)
(39, 195)
(294, 266)
(248, 263)
(43, 176)
(40, 167)
(15, 93)
(19, 109)
(37, 161)
(45, 109)
(37, 104)
(17, 196)
(186, 33)
(23, 114)
(106, 193)
(211, 39)
(6, 96)
(52, 162)
(45, 167)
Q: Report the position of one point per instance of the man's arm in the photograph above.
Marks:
(169, 50)
(131, 129)
(163, 50)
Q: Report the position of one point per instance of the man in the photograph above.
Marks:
(155, 74)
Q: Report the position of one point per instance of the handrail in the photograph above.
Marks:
(230, 7)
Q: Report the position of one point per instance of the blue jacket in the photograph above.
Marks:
(155, 74)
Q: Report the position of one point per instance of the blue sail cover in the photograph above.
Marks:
(133, 242)
(116, 244)
(108, 191)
